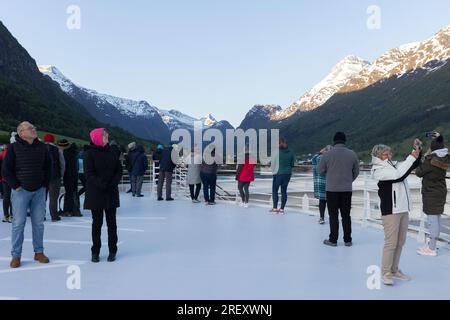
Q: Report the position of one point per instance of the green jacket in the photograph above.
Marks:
(284, 163)
(433, 170)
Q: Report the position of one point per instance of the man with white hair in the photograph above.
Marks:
(27, 169)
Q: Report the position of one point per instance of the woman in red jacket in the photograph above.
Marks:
(244, 175)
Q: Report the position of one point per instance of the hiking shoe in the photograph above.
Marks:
(348, 244)
(41, 257)
(160, 199)
(7, 219)
(387, 279)
(426, 251)
(95, 258)
(321, 221)
(329, 243)
(15, 262)
(401, 276)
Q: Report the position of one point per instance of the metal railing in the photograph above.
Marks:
(365, 200)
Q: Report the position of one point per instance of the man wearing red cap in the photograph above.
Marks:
(58, 167)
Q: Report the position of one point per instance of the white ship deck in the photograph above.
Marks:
(180, 250)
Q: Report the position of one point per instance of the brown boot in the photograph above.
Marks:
(15, 262)
(41, 258)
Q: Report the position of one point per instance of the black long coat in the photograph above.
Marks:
(103, 171)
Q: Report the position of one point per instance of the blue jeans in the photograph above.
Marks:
(280, 180)
(209, 186)
(21, 201)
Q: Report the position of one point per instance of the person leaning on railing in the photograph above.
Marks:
(433, 170)
(395, 205)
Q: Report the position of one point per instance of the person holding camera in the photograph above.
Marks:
(395, 205)
(433, 171)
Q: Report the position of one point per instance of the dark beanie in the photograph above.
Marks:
(437, 143)
(339, 137)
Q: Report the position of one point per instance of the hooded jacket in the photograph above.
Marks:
(433, 170)
(103, 171)
(393, 187)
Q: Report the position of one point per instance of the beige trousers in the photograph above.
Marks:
(395, 231)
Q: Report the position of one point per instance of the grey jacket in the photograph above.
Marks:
(341, 165)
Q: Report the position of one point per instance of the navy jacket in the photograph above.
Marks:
(140, 164)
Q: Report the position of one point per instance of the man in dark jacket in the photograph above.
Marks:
(58, 168)
(166, 168)
(341, 165)
(139, 166)
(70, 179)
(27, 169)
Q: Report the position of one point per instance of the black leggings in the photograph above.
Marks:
(322, 207)
(243, 190)
(198, 186)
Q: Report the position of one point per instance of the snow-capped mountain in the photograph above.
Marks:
(353, 73)
(138, 117)
(259, 117)
(403, 59)
(208, 120)
(128, 107)
(325, 89)
(175, 119)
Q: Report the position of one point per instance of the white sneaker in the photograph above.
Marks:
(245, 205)
(426, 251)
(241, 204)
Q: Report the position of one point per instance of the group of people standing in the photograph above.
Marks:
(334, 170)
(31, 168)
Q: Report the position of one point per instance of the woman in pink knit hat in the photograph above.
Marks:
(103, 171)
